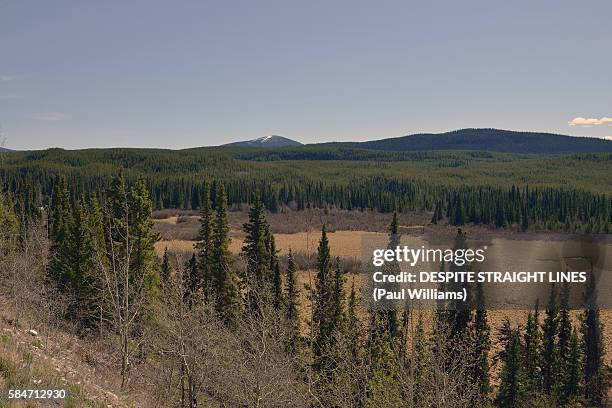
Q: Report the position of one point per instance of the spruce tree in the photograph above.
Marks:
(533, 353)
(482, 345)
(592, 346)
(323, 330)
(292, 303)
(510, 392)
(457, 216)
(384, 387)
(144, 262)
(98, 229)
(192, 278)
(564, 334)
(225, 280)
(9, 222)
(385, 318)
(60, 266)
(524, 218)
(460, 311)
(277, 281)
(257, 252)
(337, 299)
(87, 281)
(117, 199)
(437, 214)
(353, 325)
(59, 218)
(572, 372)
(204, 243)
(550, 355)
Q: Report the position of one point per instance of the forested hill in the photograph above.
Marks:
(494, 140)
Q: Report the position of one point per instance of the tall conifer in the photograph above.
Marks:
(226, 284)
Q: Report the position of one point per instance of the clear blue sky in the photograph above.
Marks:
(80, 74)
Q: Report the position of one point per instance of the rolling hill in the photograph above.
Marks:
(494, 140)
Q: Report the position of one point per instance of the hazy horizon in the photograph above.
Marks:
(285, 136)
(149, 74)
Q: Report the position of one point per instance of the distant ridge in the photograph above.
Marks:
(266, 141)
(495, 140)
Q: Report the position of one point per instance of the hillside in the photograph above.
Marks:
(494, 140)
(266, 141)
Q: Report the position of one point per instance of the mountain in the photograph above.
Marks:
(266, 141)
(495, 140)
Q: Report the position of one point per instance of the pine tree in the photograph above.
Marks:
(550, 355)
(511, 387)
(592, 346)
(292, 303)
(204, 243)
(225, 281)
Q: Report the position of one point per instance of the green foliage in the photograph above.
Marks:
(482, 346)
(227, 297)
(323, 330)
(592, 347)
(511, 387)
(191, 278)
(257, 252)
(204, 243)
(292, 303)
(533, 354)
(550, 351)
(572, 370)
(548, 192)
(9, 222)
(277, 280)
(384, 387)
(460, 312)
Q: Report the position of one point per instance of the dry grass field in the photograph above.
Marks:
(179, 229)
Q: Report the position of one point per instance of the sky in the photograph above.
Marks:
(78, 74)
